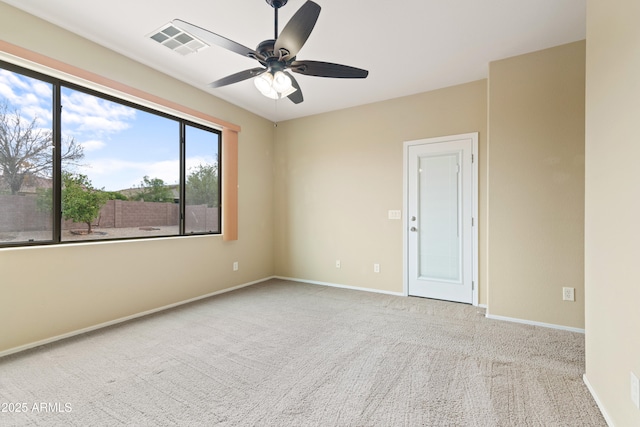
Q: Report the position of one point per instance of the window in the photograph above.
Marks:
(110, 169)
(131, 161)
(26, 158)
(202, 187)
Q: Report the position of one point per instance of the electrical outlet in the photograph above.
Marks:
(235, 266)
(337, 263)
(568, 294)
(395, 214)
(635, 390)
(376, 268)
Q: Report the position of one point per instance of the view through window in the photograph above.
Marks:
(123, 171)
(26, 158)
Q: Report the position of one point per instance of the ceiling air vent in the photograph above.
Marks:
(177, 40)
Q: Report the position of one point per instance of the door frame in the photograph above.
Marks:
(474, 205)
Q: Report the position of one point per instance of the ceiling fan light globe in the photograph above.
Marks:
(287, 92)
(271, 94)
(264, 83)
(281, 82)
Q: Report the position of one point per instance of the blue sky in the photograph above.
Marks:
(121, 144)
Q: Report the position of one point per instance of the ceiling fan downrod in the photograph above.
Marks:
(276, 4)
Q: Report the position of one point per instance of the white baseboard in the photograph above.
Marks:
(534, 323)
(606, 416)
(123, 319)
(313, 282)
(337, 285)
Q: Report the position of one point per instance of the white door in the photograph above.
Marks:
(441, 236)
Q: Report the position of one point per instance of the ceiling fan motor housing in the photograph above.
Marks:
(272, 59)
(266, 48)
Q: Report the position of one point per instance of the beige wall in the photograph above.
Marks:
(612, 226)
(337, 175)
(48, 291)
(536, 185)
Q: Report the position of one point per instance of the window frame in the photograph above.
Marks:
(57, 85)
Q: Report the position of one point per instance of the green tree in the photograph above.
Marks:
(25, 149)
(44, 200)
(116, 195)
(80, 201)
(153, 190)
(202, 186)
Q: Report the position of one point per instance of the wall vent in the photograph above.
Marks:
(177, 40)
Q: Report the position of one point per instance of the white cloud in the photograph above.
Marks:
(42, 115)
(93, 145)
(80, 113)
(193, 162)
(12, 79)
(33, 98)
(116, 174)
(86, 113)
(168, 171)
(43, 90)
(7, 92)
(94, 124)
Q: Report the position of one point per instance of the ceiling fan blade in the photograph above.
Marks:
(328, 69)
(216, 39)
(295, 97)
(297, 30)
(237, 77)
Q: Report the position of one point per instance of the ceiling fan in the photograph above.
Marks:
(278, 56)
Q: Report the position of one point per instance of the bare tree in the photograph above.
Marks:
(27, 150)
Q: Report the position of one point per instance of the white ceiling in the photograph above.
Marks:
(408, 46)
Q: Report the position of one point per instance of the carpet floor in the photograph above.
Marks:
(282, 353)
